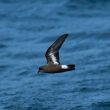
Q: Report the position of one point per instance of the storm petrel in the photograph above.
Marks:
(53, 60)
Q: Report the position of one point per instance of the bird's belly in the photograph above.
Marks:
(53, 68)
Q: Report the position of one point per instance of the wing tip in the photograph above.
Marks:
(65, 34)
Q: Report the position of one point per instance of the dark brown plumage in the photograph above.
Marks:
(53, 60)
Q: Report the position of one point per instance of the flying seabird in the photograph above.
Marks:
(53, 60)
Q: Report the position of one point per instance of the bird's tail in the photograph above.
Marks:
(71, 66)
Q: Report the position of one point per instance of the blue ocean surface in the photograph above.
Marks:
(28, 28)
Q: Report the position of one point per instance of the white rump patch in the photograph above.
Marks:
(64, 66)
(53, 58)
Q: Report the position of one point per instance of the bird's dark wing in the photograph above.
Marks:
(52, 53)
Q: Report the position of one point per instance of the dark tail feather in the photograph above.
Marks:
(71, 66)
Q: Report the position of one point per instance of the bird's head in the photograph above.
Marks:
(40, 70)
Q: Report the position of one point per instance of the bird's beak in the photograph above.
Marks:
(38, 72)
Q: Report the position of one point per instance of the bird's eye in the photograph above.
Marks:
(40, 68)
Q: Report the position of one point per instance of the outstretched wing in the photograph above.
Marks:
(52, 53)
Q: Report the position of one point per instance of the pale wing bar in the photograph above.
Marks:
(52, 54)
